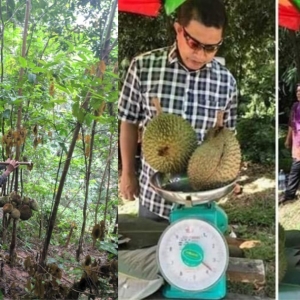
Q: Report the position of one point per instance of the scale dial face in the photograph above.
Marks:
(192, 255)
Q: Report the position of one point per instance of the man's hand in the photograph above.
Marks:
(287, 144)
(13, 164)
(129, 186)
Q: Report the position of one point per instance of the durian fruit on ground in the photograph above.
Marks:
(168, 143)
(216, 162)
(281, 253)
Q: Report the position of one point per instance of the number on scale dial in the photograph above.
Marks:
(192, 254)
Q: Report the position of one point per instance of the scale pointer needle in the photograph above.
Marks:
(207, 266)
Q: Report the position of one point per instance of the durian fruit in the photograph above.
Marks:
(26, 200)
(96, 231)
(3, 200)
(15, 198)
(7, 208)
(25, 212)
(281, 253)
(168, 142)
(216, 162)
(54, 270)
(15, 214)
(33, 205)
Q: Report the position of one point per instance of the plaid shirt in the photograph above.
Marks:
(194, 95)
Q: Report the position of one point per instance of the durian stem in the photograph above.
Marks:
(157, 105)
(220, 119)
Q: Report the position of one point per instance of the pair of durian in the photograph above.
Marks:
(170, 145)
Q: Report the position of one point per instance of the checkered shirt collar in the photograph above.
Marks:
(173, 56)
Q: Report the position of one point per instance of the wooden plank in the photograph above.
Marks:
(246, 270)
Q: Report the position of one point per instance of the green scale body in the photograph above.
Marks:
(192, 254)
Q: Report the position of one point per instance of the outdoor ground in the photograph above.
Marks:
(289, 214)
(251, 216)
(16, 282)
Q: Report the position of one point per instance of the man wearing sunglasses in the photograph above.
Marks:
(188, 81)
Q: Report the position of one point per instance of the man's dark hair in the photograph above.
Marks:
(210, 13)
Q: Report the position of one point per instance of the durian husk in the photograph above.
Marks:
(15, 198)
(26, 200)
(216, 162)
(230, 163)
(33, 205)
(96, 231)
(25, 212)
(7, 208)
(168, 143)
(15, 214)
(3, 200)
(54, 270)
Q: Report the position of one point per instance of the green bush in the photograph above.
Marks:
(139, 34)
(257, 139)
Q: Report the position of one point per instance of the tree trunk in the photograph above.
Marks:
(60, 187)
(19, 120)
(108, 181)
(58, 195)
(88, 173)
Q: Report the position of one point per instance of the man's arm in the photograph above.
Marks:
(130, 114)
(289, 138)
(128, 147)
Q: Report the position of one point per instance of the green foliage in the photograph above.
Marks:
(109, 247)
(260, 213)
(257, 139)
(63, 53)
(153, 33)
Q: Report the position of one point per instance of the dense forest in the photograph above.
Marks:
(58, 95)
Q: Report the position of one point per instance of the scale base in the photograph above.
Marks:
(217, 292)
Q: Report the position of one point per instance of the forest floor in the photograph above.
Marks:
(251, 216)
(22, 282)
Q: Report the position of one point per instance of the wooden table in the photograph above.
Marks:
(145, 233)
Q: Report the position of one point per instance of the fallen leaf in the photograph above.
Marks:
(249, 244)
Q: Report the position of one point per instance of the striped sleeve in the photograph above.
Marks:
(130, 100)
(230, 115)
(3, 179)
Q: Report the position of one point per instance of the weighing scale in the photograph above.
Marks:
(192, 252)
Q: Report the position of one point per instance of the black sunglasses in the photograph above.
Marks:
(195, 45)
